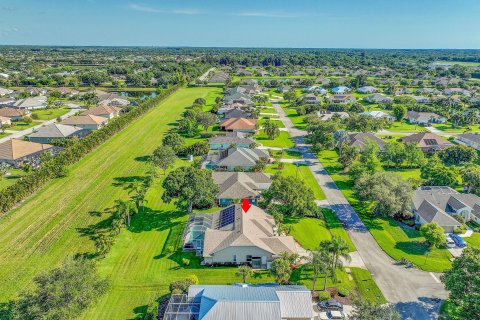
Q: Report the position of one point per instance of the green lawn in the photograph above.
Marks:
(282, 141)
(405, 127)
(4, 134)
(48, 114)
(21, 125)
(447, 127)
(15, 174)
(366, 286)
(296, 118)
(51, 225)
(395, 240)
(304, 173)
(473, 240)
(280, 124)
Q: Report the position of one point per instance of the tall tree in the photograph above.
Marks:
(337, 248)
(319, 262)
(341, 138)
(367, 310)
(164, 157)
(174, 141)
(414, 156)
(244, 271)
(281, 270)
(206, 119)
(434, 234)
(399, 112)
(271, 129)
(192, 187)
(394, 153)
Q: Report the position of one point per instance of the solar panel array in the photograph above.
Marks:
(431, 142)
(227, 216)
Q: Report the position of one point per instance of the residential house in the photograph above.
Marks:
(310, 99)
(452, 91)
(237, 113)
(400, 91)
(5, 121)
(367, 89)
(235, 159)
(219, 77)
(327, 115)
(431, 91)
(341, 90)
(88, 122)
(378, 98)
(359, 140)
(111, 99)
(7, 102)
(343, 98)
(235, 186)
(51, 132)
(14, 114)
(233, 236)
(378, 115)
(223, 142)
(104, 111)
(31, 103)
(242, 302)
(239, 125)
(427, 141)
(5, 92)
(424, 118)
(35, 91)
(68, 92)
(243, 72)
(283, 89)
(439, 204)
(469, 139)
(421, 100)
(18, 152)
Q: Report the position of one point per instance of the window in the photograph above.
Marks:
(249, 258)
(234, 258)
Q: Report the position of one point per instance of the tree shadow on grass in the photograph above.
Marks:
(129, 182)
(141, 311)
(412, 247)
(146, 158)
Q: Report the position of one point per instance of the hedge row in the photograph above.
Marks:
(57, 166)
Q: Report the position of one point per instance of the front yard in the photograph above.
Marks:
(49, 114)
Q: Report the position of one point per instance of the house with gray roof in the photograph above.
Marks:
(235, 159)
(439, 204)
(237, 113)
(424, 118)
(55, 131)
(267, 301)
(235, 186)
(359, 140)
(233, 236)
(469, 139)
(223, 142)
(367, 89)
(378, 98)
(38, 102)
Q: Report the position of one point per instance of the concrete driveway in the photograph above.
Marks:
(415, 293)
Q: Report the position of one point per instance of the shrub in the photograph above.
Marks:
(186, 262)
(35, 116)
(461, 229)
(323, 295)
(343, 291)
(170, 249)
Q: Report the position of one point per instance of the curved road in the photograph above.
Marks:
(416, 293)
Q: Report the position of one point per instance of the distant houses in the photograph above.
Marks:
(88, 122)
(14, 114)
(367, 89)
(235, 186)
(17, 152)
(343, 98)
(378, 98)
(310, 99)
(104, 111)
(378, 115)
(341, 90)
(359, 140)
(424, 118)
(427, 142)
(31, 103)
(469, 139)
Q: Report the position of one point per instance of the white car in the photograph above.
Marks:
(450, 243)
(331, 315)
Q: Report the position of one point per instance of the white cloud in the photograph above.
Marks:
(142, 8)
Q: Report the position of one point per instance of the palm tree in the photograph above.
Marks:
(318, 262)
(337, 248)
(244, 271)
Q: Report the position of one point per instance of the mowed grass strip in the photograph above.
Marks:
(45, 229)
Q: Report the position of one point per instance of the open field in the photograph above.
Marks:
(21, 125)
(395, 240)
(54, 223)
(282, 141)
(462, 63)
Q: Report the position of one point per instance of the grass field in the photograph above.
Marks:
(395, 240)
(447, 127)
(48, 114)
(4, 134)
(282, 141)
(304, 173)
(473, 240)
(296, 118)
(366, 285)
(21, 125)
(49, 226)
(405, 127)
(6, 181)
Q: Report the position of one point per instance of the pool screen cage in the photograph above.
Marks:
(181, 307)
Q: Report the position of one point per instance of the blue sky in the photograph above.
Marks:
(243, 23)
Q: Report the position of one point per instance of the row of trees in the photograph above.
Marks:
(57, 166)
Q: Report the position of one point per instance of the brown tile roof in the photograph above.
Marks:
(239, 123)
(427, 140)
(85, 119)
(11, 112)
(16, 149)
(101, 109)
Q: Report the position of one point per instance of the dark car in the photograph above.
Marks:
(330, 305)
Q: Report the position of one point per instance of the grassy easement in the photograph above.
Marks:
(21, 125)
(48, 227)
(48, 114)
(282, 141)
(366, 286)
(395, 240)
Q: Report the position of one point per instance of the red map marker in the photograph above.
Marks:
(246, 205)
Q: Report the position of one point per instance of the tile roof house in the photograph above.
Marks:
(13, 114)
(378, 98)
(240, 185)
(239, 125)
(424, 118)
(234, 236)
(242, 302)
(341, 90)
(219, 77)
(222, 142)
(367, 89)
(18, 152)
(88, 122)
(427, 141)
(54, 131)
(5, 121)
(451, 91)
(359, 140)
(378, 115)
(327, 115)
(469, 139)
(7, 101)
(235, 159)
(421, 100)
(104, 111)
(38, 102)
(439, 204)
(237, 113)
(310, 99)
(343, 98)
(4, 92)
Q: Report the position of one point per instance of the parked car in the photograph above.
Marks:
(332, 315)
(331, 304)
(450, 243)
(458, 240)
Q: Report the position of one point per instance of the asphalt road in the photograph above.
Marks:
(415, 293)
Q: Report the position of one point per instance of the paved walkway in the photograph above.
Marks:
(440, 132)
(205, 75)
(415, 292)
(20, 134)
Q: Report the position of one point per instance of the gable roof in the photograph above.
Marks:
(86, 119)
(239, 185)
(427, 140)
(55, 130)
(31, 102)
(232, 138)
(469, 137)
(14, 149)
(102, 109)
(239, 123)
(359, 140)
(11, 112)
(422, 116)
(242, 157)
